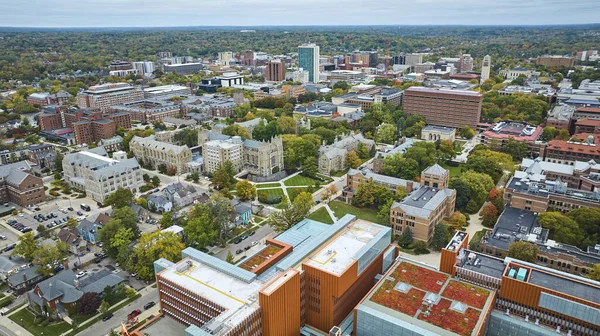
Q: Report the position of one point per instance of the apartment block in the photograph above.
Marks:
(450, 108)
(89, 129)
(50, 121)
(155, 153)
(106, 95)
(17, 185)
(261, 158)
(425, 207)
(98, 175)
(307, 279)
(554, 61)
(275, 71)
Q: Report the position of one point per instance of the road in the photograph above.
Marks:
(102, 328)
(6, 332)
(339, 182)
(260, 236)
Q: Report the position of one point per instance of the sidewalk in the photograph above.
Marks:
(12, 326)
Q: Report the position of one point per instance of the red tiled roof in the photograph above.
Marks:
(588, 109)
(588, 122)
(573, 147)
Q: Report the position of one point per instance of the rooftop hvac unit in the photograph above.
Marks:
(184, 266)
(335, 331)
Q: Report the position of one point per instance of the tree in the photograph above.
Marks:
(423, 153)
(208, 222)
(588, 219)
(594, 273)
(162, 168)
(155, 181)
(58, 162)
(200, 232)
(32, 138)
(286, 125)
(563, 134)
(562, 228)
(441, 237)
(457, 221)
(166, 220)
(26, 247)
(549, 133)
(386, 133)
(120, 198)
(309, 167)
(407, 236)
(397, 166)
(478, 184)
(445, 150)
(401, 193)
(88, 303)
(171, 171)
(292, 213)
(223, 175)
(296, 149)
(48, 256)
(523, 250)
(142, 202)
(466, 132)
(363, 151)
(153, 246)
(195, 177)
(104, 307)
(113, 234)
(237, 130)
(489, 215)
(485, 165)
(514, 148)
(384, 211)
(229, 258)
(352, 160)
(329, 192)
(245, 190)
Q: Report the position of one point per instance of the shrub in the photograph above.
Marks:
(420, 247)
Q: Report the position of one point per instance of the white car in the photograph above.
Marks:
(81, 274)
(254, 243)
(21, 214)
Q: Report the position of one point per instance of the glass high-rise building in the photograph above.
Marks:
(308, 59)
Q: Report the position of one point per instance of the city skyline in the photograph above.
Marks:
(153, 13)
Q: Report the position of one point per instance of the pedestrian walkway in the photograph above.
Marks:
(13, 327)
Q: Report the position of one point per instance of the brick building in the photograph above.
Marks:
(450, 108)
(554, 61)
(17, 185)
(499, 133)
(275, 71)
(425, 207)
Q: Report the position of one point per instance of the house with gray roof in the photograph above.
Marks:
(159, 203)
(111, 144)
(181, 195)
(8, 265)
(24, 279)
(17, 185)
(63, 290)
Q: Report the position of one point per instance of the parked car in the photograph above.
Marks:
(9, 247)
(81, 275)
(237, 241)
(70, 209)
(149, 305)
(251, 233)
(247, 248)
(107, 317)
(3, 237)
(37, 209)
(26, 229)
(239, 251)
(244, 237)
(79, 213)
(254, 243)
(59, 268)
(134, 313)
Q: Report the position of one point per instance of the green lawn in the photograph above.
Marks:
(454, 171)
(267, 185)
(340, 209)
(25, 318)
(293, 195)
(272, 192)
(300, 180)
(321, 215)
(340, 173)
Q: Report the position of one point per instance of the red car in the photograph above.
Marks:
(134, 313)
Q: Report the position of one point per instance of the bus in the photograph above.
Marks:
(85, 207)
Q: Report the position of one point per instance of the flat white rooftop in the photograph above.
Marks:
(221, 144)
(239, 298)
(342, 251)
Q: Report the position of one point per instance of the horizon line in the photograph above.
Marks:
(315, 25)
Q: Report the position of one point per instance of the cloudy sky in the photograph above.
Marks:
(152, 13)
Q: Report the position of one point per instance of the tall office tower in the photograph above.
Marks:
(145, 68)
(413, 59)
(485, 68)
(308, 59)
(275, 71)
(465, 63)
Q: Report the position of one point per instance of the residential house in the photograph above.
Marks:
(9, 264)
(88, 230)
(71, 237)
(23, 280)
(180, 195)
(159, 203)
(241, 213)
(63, 290)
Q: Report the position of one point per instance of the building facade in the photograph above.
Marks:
(308, 59)
(275, 71)
(100, 176)
(333, 157)
(425, 207)
(107, 95)
(486, 67)
(156, 153)
(450, 108)
(18, 186)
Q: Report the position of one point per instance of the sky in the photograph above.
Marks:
(160, 13)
